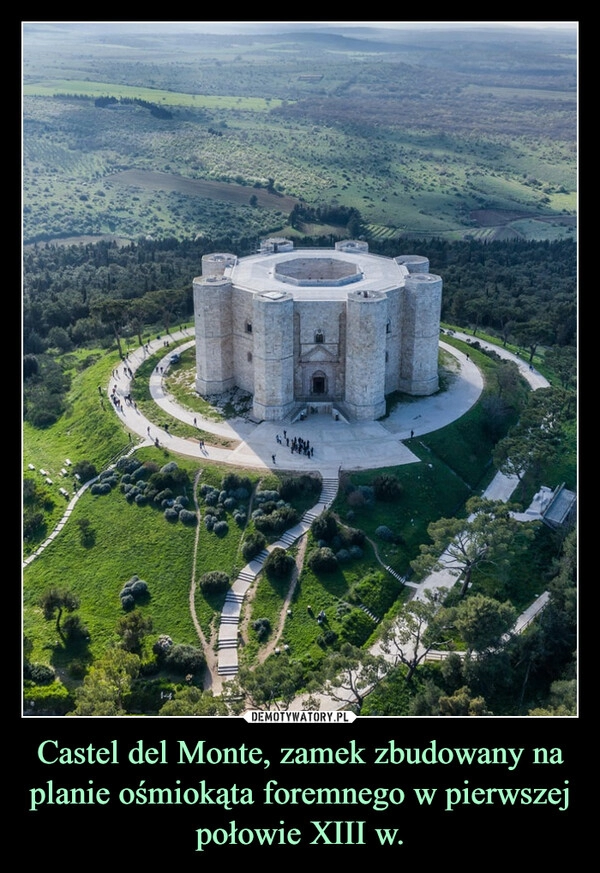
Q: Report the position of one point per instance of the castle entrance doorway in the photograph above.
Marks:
(319, 383)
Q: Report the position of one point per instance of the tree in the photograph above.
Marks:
(189, 700)
(421, 626)
(462, 703)
(272, 684)
(489, 536)
(278, 564)
(538, 435)
(140, 311)
(531, 334)
(563, 360)
(482, 622)
(54, 602)
(214, 582)
(324, 526)
(348, 675)
(185, 659)
(105, 688)
(114, 313)
(170, 304)
(132, 628)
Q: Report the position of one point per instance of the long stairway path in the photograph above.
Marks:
(232, 608)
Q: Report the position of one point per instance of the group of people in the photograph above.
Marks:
(295, 444)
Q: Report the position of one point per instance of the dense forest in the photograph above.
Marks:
(499, 286)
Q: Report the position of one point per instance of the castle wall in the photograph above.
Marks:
(243, 339)
(317, 350)
(395, 300)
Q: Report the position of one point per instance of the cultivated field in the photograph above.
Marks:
(421, 141)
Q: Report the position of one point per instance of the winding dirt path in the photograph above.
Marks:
(275, 637)
(211, 681)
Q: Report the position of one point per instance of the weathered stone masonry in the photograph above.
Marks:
(317, 326)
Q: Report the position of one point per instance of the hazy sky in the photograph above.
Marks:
(230, 25)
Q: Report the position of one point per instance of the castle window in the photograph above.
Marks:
(249, 356)
(248, 327)
(387, 356)
(319, 338)
(388, 327)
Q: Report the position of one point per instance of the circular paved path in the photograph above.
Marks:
(337, 444)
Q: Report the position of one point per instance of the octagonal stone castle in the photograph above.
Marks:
(321, 328)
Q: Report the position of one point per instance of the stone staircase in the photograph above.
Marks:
(228, 639)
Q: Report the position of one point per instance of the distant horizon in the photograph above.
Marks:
(231, 26)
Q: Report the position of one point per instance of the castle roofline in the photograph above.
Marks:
(331, 279)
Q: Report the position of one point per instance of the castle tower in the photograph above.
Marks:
(420, 334)
(214, 335)
(413, 263)
(215, 264)
(273, 355)
(365, 354)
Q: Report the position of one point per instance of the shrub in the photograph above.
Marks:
(278, 521)
(100, 488)
(127, 464)
(169, 468)
(325, 526)
(357, 627)
(278, 564)
(162, 645)
(322, 560)
(85, 470)
(377, 592)
(171, 514)
(183, 659)
(329, 638)
(239, 517)
(214, 582)
(134, 589)
(232, 481)
(304, 485)
(262, 627)
(253, 545)
(221, 528)
(385, 534)
(32, 523)
(188, 517)
(41, 674)
(352, 536)
(127, 601)
(387, 487)
(266, 496)
(53, 699)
